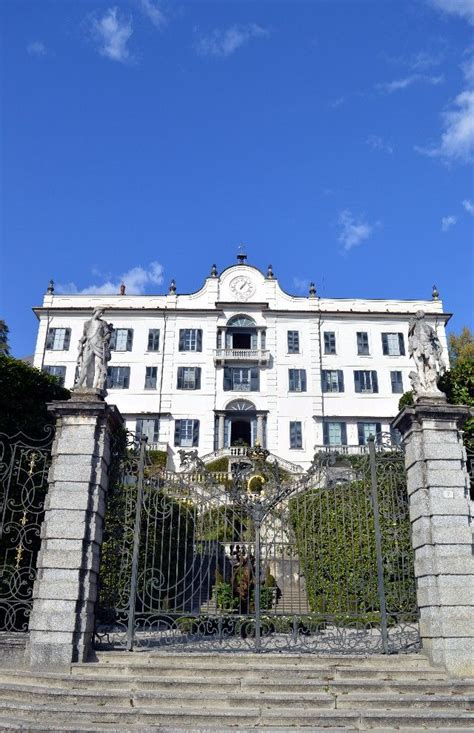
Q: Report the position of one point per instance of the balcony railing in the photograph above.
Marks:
(223, 355)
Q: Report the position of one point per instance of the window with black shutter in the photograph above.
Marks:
(297, 380)
(329, 342)
(393, 344)
(366, 381)
(148, 426)
(186, 433)
(118, 377)
(56, 371)
(362, 343)
(122, 339)
(190, 339)
(332, 380)
(154, 339)
(293, 342)
(334, 433)
(296, 436)
(58, 339)
(397, 382)
(150, 377)
(189, 378)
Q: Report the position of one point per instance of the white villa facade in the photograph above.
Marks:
(242, 361)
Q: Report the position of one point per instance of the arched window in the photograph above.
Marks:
(241, 321)
(241, 406)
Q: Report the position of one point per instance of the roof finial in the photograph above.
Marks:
(312, 290)
(270, 274)
(435, 293)
(50, 289)
(214, 271)
(122, 289)
(241, 254)
(172, 289)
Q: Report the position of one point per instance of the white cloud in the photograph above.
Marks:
(112, 33)
(457, 140)
(136, 281)
(447, 222)
(462, 8)
(224, 42)
(153, 12)
(468, 206)
(36, 48)
(378, 143)
(424, 60)
(397, 84)
(301, 285)
(353, 230)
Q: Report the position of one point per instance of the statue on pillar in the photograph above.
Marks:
(425, 348)
(94, 352)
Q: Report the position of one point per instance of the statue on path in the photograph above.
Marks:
(94, 352)
(425, 348)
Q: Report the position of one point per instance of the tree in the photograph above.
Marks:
(24, 394)
(461, 348)
(4, 347)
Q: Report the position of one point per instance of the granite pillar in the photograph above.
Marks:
(442, 531)
(65, 591)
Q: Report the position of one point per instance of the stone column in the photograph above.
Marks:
(65, 591)
(221, 431)
(442, 531)
(260, 419)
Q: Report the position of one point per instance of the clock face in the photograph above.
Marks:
(242, 287)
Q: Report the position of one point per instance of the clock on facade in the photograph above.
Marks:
(242, 287)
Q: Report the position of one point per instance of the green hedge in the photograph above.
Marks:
(335, 537)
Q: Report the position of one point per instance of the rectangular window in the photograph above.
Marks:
(393, 344)
(154, 339)
(122, 339)
(150, 377)
(148, 426)
(397, 382)
(186, 433)
(189, 378)
(362, 343)
(118, 377)
(334, 433)
(366, 381)
(365, 429)
(333, 380)
(297, 380)
(293, 342)
(190, 339)
(56, 371)
(241, 379)
(58, 339)
(329, 342)
(296, 435)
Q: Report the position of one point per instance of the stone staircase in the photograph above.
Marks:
(144, 691)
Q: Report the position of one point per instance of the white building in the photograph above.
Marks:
(242, 361)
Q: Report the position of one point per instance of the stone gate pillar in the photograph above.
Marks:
(65, 591)
(442, 531)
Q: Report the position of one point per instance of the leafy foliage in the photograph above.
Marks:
(4, 347)
(461, 348)
(220, 465)
(24, 395)
(335, 536)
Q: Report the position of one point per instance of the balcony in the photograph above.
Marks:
(225, 356)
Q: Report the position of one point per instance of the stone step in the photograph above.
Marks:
(24, 679)
(193, 718)
(329, 699)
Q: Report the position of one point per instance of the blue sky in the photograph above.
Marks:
(146, 139)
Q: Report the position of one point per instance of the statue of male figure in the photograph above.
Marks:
(425, 348)
(94, 351)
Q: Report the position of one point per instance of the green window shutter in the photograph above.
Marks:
(361, 433)
(195, 433)
(385, 344)
(197, 373)
(182, 333)
(343, 433)
(227, 379)
(50, 338)
(375, 383)
(177, 432)
(254, 379)
(325, 433)
(303, 380)
(67, 339)
(129, 339)
(357, 381)
(180, 377)
(401, 344)
(199, 339)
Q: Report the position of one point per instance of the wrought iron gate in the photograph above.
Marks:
(258, 559)
(24, 465)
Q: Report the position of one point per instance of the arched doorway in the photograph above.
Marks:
(240, 424)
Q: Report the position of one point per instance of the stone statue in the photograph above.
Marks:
(425, 348)
(94, 352)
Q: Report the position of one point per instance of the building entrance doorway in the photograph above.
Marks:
(240, 432)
